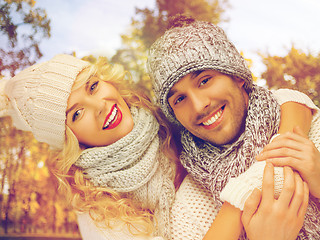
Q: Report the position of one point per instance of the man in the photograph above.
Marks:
(203, 84)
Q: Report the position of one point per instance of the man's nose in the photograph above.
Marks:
(199, 102)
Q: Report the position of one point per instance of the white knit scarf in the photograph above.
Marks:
(134, 165)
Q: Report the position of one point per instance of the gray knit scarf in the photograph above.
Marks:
(213, 166)
(135, 166)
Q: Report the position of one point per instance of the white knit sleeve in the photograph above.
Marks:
(89, 231)
(239, 189)
(289, 95)
(193, 211)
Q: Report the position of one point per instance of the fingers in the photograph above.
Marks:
(288, 187)
(299, 192)
(299, 137)
(287, 161)
(300, 200)
(289, 139)
(280, 148)
(268, 184)
(250, 207)
(281, 152)
(287, 145)
(304, 205)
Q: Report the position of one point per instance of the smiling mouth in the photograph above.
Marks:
(214, 120)
(113, 119)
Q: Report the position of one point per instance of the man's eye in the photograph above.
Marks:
(76, 115)
(204, 81)
(178, 100)
(94, 86)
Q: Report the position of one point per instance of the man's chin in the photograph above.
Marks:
(225, 140)
(221, 142)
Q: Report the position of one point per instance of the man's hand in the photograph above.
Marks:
(295, 150)
(267, 218)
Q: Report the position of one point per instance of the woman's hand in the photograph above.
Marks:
(278, 219)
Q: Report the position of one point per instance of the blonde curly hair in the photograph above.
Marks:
(105, 205)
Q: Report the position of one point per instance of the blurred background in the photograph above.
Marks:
(279, 39)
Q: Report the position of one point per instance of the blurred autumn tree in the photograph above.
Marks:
(22, 27)
(29, 201)
(149, 24)
(297, 70)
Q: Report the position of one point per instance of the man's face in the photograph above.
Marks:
(211, 105)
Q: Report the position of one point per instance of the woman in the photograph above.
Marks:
(114, 159)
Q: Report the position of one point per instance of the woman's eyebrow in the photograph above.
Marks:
(71, 108)
(87, 85)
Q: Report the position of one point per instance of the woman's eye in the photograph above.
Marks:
(94, 86)
(76, 115)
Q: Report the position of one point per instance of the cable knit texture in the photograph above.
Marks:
(134, 165)
(239, 189)
(188, 48)
(38, 97)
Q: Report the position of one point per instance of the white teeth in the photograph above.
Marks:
(213, 119)
(111, 118)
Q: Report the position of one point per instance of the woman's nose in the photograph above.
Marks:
(97, 105)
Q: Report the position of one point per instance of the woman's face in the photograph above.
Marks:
(97, 114)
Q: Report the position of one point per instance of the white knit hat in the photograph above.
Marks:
(38, 98)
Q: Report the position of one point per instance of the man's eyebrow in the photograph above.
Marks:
(171, 93)
(193, 75)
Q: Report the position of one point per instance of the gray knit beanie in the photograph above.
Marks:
(37, 98)
(190, 46)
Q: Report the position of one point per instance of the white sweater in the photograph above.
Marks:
(191, 216)
(193, 210)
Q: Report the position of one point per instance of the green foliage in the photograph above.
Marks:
(297, 70)
(23, 27)
(149, 24)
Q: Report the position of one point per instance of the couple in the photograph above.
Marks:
(116, 157)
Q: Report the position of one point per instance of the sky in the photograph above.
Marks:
(94, 27)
